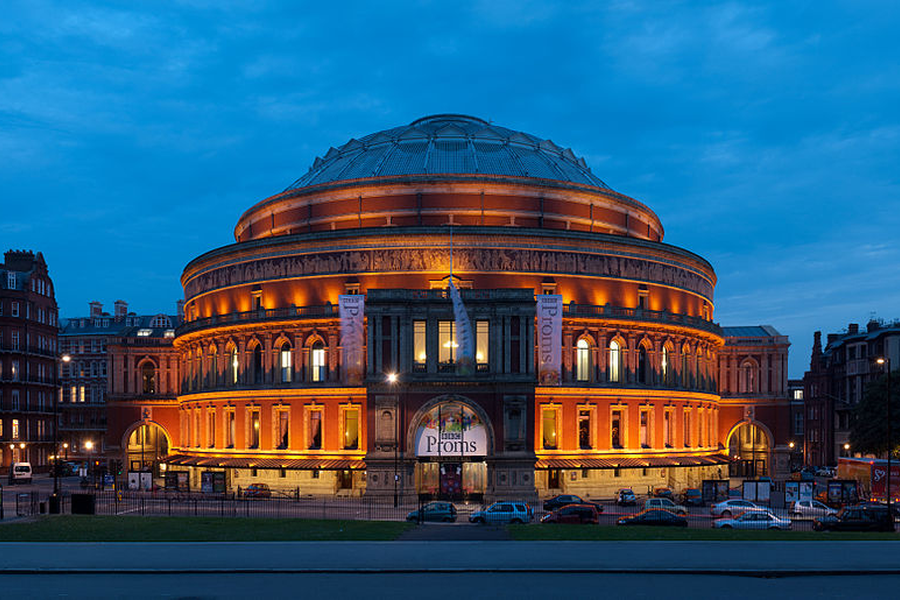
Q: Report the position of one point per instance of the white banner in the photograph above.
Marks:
(550, 307)
(352, 309)
(451, 429)
(465, 353)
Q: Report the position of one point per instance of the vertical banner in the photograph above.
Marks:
(465, 353)
(549, 338)
(351, 309)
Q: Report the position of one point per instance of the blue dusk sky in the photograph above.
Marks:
(765, 135)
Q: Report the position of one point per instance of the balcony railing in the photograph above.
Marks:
(263, 314)
(639, 314)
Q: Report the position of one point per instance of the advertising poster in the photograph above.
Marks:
(550, 309)
(351, 308)
(451, 429)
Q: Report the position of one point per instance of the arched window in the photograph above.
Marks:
(148, 378)
(642, 365)
(284, 362)
(615, 362)
(233, 367)
(213, 375)
(665, 369)
(583, 360)
(685, 374)
(257, 364)
(748, 380)
(317, 361)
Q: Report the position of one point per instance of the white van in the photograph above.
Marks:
(20, 473)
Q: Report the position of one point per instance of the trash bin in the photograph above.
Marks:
(54, 504)
(42, 508)
(83, 504)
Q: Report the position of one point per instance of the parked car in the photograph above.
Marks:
(859, 517)
(566, 499)
(692, 497)
(20, 472)
(626, 497)
(257, 490)
(811, 508)
(503, 512)
(655, 516)
(664, 492)
(573, 513)
(753, 520)
(665, 504)
(436, 511)
(734, 507)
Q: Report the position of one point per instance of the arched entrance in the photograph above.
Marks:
(451, 439)
(749, 447)
(146, 445)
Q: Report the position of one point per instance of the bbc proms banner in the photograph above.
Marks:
(451, 429)
(352, 309)
(550, 308)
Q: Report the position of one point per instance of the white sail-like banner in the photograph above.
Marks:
(352, 309)
(550, 307)
(465, 351)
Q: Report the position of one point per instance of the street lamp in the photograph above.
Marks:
(65, 358)
(391, 379)
(886, 361)
(90, 447)
(847, 448)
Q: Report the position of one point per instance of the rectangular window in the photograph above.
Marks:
(549, 424)
(229, 428)
(585, 429)
(15, 399)
(318, 362)
(74, 395)
(314, 432)
(15, 309)
(482, 337)
(645, 428)
(15, 340)
(15, 429)
(687, 427)
(197, 433)
(253, 442)
(447, 341)
(351, 428)
(420, 354)
(211, 428)
(667, 428)
(615, 429)
(14, 370)
(283, 434)
(81, 393)
(285, 364)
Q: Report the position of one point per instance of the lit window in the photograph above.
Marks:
(285, 363)
(211, 428)
(645, 428)
(254, 429)
(351, 428)
(317, 359)
(549, 424)
(144, 332)
(283, 435)
(229, 429)
(420, 353)
(615, 428)
(615, 363)
(583, 360)
(664, 364)
(482, 330)
(585, 429)
(667, 428)
(233, 367)
(687, 427)
(15, 429)
(314, 433)
(447, 342)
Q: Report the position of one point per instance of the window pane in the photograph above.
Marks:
(584, 430)
(481, 335)
(283, 429)
(447, 341)
(616, 429)
(315, 430)
(583, 361)
(351, 429)
(254, 429)
(318, 362)
(549, 428)
(614, 365)
(420, 355)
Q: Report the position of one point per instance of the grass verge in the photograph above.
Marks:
(196, 529)
(636, 533)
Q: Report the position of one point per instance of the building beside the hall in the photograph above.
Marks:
(836, 381)
(28, 338)
(326, 350)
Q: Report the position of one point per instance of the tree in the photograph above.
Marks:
(868, 426)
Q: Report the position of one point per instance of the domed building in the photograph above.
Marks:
(450, 308)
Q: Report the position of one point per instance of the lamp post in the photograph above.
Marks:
(90, 448)
(65, 358)
(391, 378)
(886, 361)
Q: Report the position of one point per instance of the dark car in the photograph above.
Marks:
(626, 497)
(654, 516)
(443, 512)
(566, 499)
(692, 497)
(859, 517)
(573, 513)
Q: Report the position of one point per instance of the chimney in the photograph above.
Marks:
(96, 309)
(872, 325)
(179, 308)
(816, 350)
(853, 328)
(121, 309)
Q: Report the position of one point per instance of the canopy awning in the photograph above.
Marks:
(308, 464)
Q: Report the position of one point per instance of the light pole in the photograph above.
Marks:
(886, 361)
(90, 448)
(391, 378)
(65, 358)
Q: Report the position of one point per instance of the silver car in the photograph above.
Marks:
(503, 513)
(734, 507)
(811, 508)
(665, 504)
(753, 520)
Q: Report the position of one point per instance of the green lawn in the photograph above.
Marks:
(636, 533)
(195, 529)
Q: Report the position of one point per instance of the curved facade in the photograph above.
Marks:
(608, 381)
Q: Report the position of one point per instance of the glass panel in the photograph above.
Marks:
(481, 342)
(229, 430)
(420, 354)
(616, 429)
(254, 429)
(584, 429)
(549, 428)
(283, 429)
(583, 361)
(285, 364)
(645, 428)
(315, 430)
(318, 362)
(614, 365)
(447, 342)
(351, 428)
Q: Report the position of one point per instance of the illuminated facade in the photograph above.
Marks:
(607, 381)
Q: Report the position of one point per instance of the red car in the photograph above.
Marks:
(573, 513)
(257, 490)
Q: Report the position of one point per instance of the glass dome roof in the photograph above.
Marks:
(449, 144)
